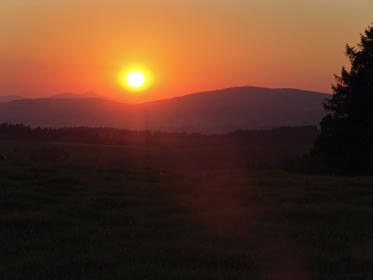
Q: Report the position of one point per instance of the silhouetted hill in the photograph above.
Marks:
(208, 112)
(64, 112)
(238, 108)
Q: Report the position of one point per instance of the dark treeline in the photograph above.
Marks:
(113, 136)
(276, 148)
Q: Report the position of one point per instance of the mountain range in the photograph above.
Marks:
(217, 111)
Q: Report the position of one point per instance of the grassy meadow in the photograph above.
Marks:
(133, 212)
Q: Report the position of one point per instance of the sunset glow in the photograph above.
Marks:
(51, 47)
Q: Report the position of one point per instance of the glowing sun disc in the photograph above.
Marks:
(136, 79)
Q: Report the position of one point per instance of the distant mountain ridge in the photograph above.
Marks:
(217, 111)
(70, 95)
(8, 98)
(64, 95)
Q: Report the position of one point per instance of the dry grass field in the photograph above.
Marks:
(109, 212)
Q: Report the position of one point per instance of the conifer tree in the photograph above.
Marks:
(345, 143)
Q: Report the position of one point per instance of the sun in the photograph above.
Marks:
(135, 79)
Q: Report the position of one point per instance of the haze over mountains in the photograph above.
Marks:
(70, 95)
(207, 112)
(8, 98)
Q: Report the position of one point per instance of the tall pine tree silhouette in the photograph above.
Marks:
(345, 143)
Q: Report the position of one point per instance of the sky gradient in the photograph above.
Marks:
(55, 46)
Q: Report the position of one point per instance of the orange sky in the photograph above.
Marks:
(54, 46)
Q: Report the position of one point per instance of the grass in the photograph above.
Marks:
(106, 213)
